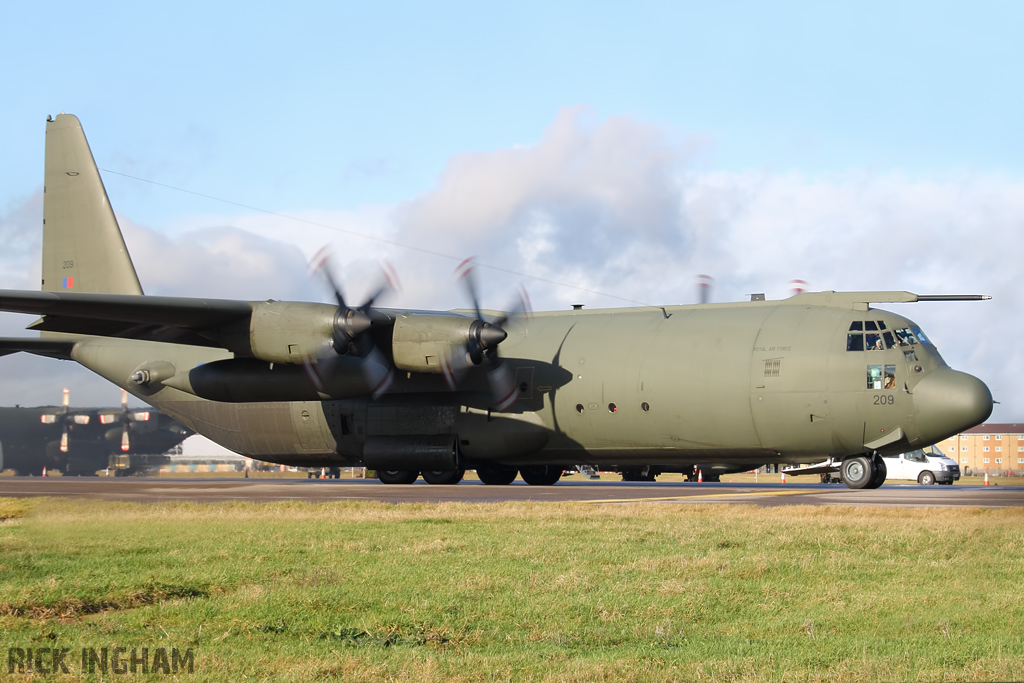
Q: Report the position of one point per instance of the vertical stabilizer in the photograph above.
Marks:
(83, 250)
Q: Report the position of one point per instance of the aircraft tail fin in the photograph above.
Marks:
(83, 250)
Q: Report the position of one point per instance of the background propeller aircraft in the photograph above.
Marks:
(80, 441)
(408, 392)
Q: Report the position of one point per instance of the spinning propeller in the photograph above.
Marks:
(482, 343)
(66, 418)
(349, 335)
(126, 418)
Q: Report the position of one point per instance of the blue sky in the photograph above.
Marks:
(857, 146)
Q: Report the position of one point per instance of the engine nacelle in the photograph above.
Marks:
(420, 341)
(433, 452)
(288, 331)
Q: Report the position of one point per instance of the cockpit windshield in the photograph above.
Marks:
(872, 335)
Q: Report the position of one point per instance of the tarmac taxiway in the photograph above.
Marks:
(153, 489)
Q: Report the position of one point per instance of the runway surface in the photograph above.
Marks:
(147, 489)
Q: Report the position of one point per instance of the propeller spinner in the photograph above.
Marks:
(482, 342)
(349, 336)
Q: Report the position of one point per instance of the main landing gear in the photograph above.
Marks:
(864, 472)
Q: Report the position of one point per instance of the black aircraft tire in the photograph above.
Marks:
(858, 472)
(881, 472)
(443, 477)
(397, 476)
(541, 475)
(497, 476)
(926, 478)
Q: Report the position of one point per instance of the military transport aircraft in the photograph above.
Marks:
(80, 441)
(409, 392)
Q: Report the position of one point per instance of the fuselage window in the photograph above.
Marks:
(855, 342)
(881, 377)
(910, 356)
(874, 377)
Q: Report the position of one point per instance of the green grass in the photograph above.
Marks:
(522, 592)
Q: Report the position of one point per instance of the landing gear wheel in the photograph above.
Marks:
(497, 476)
(541, 475)
(858, 472)
(443, 477)
(397, 476)
(881, 471)
(926, 478)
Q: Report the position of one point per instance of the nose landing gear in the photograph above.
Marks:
(864, 472)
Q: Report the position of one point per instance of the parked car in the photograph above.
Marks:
(927, 466)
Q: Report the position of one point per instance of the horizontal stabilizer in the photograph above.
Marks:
(52, 348)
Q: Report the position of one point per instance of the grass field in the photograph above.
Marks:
(521, 592)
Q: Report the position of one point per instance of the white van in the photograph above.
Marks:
(927, 466)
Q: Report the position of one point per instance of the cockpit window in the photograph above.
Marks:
(908, 336)
(881, 377)
(876, 336)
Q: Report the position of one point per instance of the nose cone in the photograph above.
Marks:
(949, 402)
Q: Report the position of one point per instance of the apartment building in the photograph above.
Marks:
(996, 447)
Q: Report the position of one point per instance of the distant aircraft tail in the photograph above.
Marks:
(83, 250)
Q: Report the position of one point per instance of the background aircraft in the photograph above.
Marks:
(407, 392)
(80, 441)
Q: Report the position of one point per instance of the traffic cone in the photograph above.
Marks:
(783, 478)
(700, 476)
(986, 476)
(323, 472)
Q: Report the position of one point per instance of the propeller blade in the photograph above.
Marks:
(454, 367)
(321, 265)
(389, 284)
(349, 338)
(503, 384)
(66, 400)
(64, 441)
(124, 439)
(704, 283)
(464, 272)
(377, 372)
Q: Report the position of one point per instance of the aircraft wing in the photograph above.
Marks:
(178, 320)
